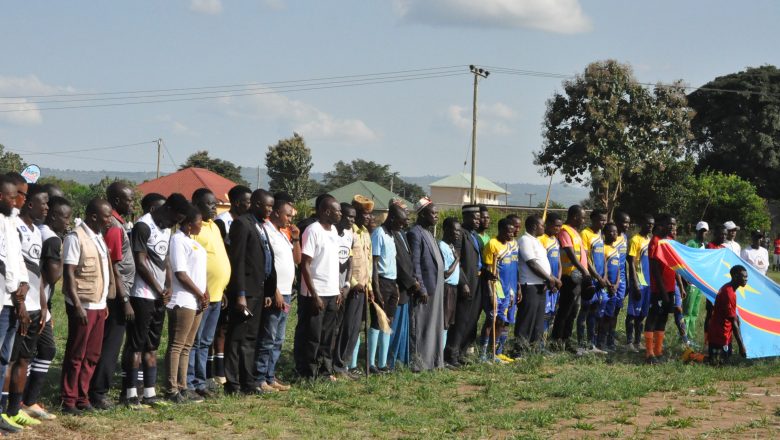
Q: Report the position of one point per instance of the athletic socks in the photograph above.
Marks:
(35, 380)
(150, 377)
(679, 320)
(209, 366)
(384, 348)
(483, 346)
(629, 329)
(639, 327)
(128, 382)
(219, 365)
(501, 341)
(659, 343)
(354, 363)
(649, 349)
(373, 342)
(14, 402)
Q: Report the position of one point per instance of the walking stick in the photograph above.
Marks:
(547, 199)
(368, 316)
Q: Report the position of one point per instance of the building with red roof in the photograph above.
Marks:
(186, 181)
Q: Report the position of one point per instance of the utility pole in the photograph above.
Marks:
(159, 143)
(258, 177)
(478, 72)
(392, 180)
(530, 198)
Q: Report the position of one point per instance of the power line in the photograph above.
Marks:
(170, 156)
(80, 150)
(229, 95)
(234, 85)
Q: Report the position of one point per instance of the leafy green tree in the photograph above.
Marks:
(716, 198)
(224, 168)
(79, 194)
(656, 189)
(739, 132)
(552, 205)
(288, 164)
(10, 161)
(359, 169)
(606, 126)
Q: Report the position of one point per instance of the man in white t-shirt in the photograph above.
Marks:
(731, 237)
(287, 255)
(87, 276)
(755, 254)
(535, 277)
(320, 296)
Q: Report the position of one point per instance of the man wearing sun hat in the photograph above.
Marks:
(731, 237)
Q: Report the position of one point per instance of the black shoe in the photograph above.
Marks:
(154, 402)
(102, 404)
(252, 392)
(70, 410)
(357, 372)
(373, 370)
(87, 408)
(205, 393)
(385, 370)
(192, 396)
(132, 402)
(176, 397)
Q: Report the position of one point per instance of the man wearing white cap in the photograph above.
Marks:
(731, 242)
(692, 301)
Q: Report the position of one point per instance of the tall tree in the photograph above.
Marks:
(737, 126)
(10, 161)
(359, 169)
(288, 164)
(606, 126)
(224, 168)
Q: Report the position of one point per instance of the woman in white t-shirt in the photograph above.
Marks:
(189, 297)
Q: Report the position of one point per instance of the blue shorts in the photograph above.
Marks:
(506, 307)
(615, 303)
(551, 301)
(642, 306)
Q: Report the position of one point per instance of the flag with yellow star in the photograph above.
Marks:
(758, 303)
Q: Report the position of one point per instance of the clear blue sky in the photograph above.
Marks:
(419, 127)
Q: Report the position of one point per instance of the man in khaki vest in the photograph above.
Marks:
(87, 282)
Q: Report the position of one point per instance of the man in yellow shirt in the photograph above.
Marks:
(217, 278)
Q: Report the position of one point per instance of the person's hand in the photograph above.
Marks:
(340, 298)
(318, 305)
(416, 286)
(423, 298)
(42, 319)
(519, 297)
(241, 306)
(295, 233)
(278, 300)
(24, 318)
(224, 302)
(743, 352)
(81, 314)
(165, 295)
(206, 298)
(557, 284)
(267, 302)
(683, 294)
(359, 287)
(370, 296)
(129, 312)
(466, 291)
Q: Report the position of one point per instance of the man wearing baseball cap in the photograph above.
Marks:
(731, 242)
(692, 301)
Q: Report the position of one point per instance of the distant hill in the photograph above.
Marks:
(560, 192)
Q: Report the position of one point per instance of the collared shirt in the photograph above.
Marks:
(283, 258)
(362, 262)
(217, 261)
(383, 246)
(71, 253)
(531, 249)
(448, 255)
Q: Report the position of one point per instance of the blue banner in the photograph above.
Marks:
(758, 303)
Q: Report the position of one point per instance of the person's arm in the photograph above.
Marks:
(238, 236)
(375, 281)
(69, 289)
(738, 335)
(632, 276)
(415, 245)
(450, 270)
(295, 238)
(307, 278)
(141, 233)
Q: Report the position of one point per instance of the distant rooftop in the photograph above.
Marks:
(463, 180)
(380, 195)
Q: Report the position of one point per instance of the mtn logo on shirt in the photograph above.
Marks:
(161, 247)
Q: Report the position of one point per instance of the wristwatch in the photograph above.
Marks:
(126, 299)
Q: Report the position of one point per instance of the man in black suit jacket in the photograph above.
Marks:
(407, 285)
(252, 286)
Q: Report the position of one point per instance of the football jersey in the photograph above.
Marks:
(612, 259)
(594, 245)
(638, 251)
(148, 238)
(30, 238)
(505, 257)
(621, 244)
(553, 249)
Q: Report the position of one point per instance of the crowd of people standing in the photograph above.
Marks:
(225, 283)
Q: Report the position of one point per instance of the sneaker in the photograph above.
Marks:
(651, 360)
(23, 419)
(205, 393)
(102, 405)
(175, 397)
(267, 388)
(133, 403)
(596, 350)
(154, 402)
(67, 410)
(283, 387)
(581, 351)
(220, 380)
(632, 348)
(8, 426)
(192, 396)
(85, 408)
(354, 371)
(346, 375)
(498, 360)
(39, 412)
(505, 358)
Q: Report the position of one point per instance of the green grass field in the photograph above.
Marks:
(559, 396)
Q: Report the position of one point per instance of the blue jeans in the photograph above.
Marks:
(8, 327)
(269, 344)
(199, 353)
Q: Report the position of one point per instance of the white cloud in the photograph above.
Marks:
(560, 16)
(29, 112)
(298, 116)
(496, 118)
(276, 5)
(208, 7)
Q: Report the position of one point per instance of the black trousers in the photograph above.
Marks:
(530, 314)
(568, 304)
(241, 344)
(315, 337)
(463, 332)
(349, 330)
(388, 295)
(113, 336)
